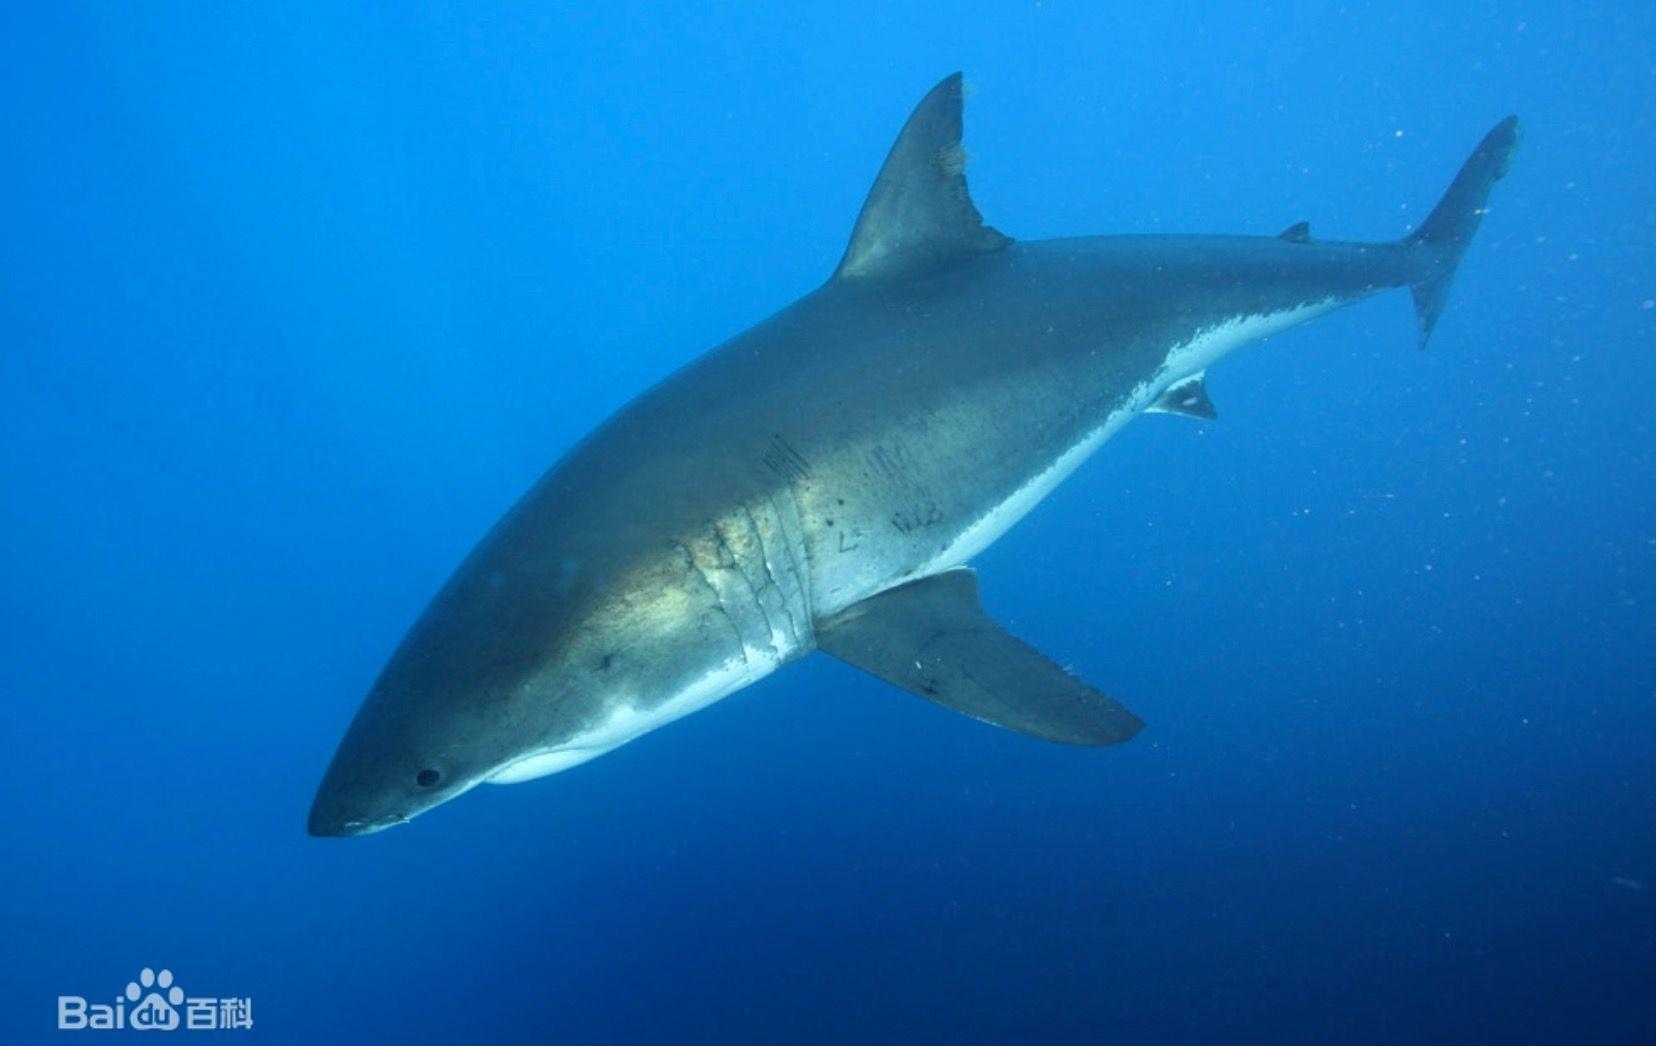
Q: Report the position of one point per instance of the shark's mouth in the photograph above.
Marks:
(370, 827)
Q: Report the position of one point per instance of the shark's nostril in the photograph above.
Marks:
(427, 778)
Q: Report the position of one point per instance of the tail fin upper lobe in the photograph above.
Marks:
(1449, 228)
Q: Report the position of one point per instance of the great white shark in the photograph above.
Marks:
(822, 480)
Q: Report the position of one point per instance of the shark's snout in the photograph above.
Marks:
(335, 811)
(329, 817)
(379, 779)
(361, 794)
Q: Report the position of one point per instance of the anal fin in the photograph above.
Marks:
(1188, 397)
(932, 638)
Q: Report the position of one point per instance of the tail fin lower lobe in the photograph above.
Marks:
(1449, 228)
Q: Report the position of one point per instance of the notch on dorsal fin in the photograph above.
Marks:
(1299, 232)
(1188, 397)
(919, 213)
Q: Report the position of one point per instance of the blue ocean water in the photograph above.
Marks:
(299, 298)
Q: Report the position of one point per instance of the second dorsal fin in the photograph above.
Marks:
(1299, 232)
(919, 214)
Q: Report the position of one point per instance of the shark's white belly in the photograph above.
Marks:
(781, 591)
(627, 721)
(751, 561)
(1183, 361)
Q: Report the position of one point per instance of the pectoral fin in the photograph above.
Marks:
(932, 638)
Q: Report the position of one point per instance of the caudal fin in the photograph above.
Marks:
(1449, 228)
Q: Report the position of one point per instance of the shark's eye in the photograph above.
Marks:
(427, 777)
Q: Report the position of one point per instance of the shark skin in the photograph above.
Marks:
(822, 480)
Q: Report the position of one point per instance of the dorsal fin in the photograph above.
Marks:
(1188, 397)
(1299, 232)
(919, 214)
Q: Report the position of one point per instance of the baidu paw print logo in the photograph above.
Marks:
(161, 999)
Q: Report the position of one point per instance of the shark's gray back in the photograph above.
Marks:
(887, 418)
